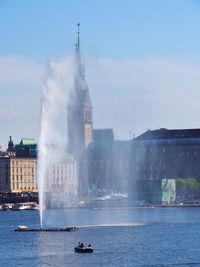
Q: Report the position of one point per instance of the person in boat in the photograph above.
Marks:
(81, 245)
(89, 246)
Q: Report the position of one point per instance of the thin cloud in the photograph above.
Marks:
(19, 72)
(9, 114)
(128, 95)
(147, 93)
(156, 74)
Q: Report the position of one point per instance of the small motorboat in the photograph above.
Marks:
(80, 249)
(22, 228)
(72, 229)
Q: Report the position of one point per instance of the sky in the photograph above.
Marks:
(142, 60)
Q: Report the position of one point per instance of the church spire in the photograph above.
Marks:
(79, 65)
(78, 40)
(79, 107)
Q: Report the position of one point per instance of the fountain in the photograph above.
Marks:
(63, 139)
(57, 168)
(65, 136)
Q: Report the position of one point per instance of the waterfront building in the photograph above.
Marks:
(121, 165)
(108, 163)
(18, 175)
(162, 154)
(18, 171)
(18, 167)
(100, 161)
(61, 188)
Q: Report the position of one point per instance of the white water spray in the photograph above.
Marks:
(55, 185)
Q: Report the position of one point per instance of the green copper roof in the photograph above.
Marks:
(28, 141)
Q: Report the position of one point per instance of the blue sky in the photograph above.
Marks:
(142, 61)
(113, 28)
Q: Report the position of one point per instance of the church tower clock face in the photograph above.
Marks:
(88, 134)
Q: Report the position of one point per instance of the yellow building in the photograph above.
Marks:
(18, 175)
(18, 171)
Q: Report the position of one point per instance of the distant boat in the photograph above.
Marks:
(79, 249)
(22, 228)
(6, 206)
(25, 206)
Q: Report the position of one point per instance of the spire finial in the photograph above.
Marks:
(78, 41)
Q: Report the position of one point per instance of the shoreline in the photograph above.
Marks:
(120, 208)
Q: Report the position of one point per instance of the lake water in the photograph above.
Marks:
(131, 237)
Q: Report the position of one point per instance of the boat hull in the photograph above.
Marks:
(83, 250)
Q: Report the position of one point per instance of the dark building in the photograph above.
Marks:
(162, 154)
(108, 163)
(26, 148)
(100, 161)
(121, 165)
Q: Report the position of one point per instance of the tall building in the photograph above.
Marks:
(166, 154)
(100, 160)
(108, 163)
(79, 109)
(162, 155)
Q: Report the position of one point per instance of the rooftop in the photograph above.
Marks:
(164, 133)
(103, 135)
(28, 141)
